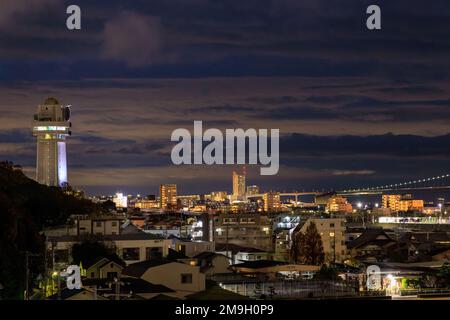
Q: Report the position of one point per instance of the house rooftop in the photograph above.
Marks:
(139, 268)
(234, 248)
(175, 255)
(110, 237)
(105, 260)
(370, 235)
(207, 255)
(426, 237)
(127, 285)
(259, 264)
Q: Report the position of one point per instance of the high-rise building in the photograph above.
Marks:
(391, 201)
(51, 126)
(218, 196)
(339, 204)
(238, 186)
(272, 202)
(120, 200)
(145, 204)
(397, 202)
(252, 190)
(168, 196)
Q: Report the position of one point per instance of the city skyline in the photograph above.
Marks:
(353, 107)
(233, 157)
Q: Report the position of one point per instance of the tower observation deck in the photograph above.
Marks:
(51, 126)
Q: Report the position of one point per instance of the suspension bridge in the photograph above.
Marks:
(439, 182)
(432, 183)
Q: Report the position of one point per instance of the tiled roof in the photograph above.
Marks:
(370, 235)
(258, 264)
(112, 237)
(206, 255)
(139, 268)
(107, 286)
(236, 248)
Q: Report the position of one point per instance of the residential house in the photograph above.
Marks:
(212, 263)
(371, 245)
(238, 254)
(105, 268)
(191, 248)
(130, 247)
(126, 288)
(184, 279)
(272, 268)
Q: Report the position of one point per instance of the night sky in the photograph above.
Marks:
(354, 107)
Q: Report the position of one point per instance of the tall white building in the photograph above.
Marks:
(51, 126)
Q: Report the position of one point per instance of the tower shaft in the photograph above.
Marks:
(51, 127)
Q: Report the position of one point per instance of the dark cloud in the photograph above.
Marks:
(411, 90)
(96, 139)
(224, 109)
(382, 145)
(16, 136)
(299, 113)
(274, 100)
(142, 149)
(361, 108)
(224, 38)
(133, 38)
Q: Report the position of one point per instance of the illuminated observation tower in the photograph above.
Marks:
(51, 126)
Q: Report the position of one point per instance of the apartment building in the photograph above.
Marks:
(247, 230)
(332, 232)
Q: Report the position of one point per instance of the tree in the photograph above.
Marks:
(444, 275)
(108, 205)
(326, 273)
(89, 252)
(297, 243)
(428, 280)
(307, 248)
(26, 207)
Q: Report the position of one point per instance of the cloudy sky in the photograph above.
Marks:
(354, 107)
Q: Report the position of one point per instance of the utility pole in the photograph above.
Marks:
(27, 273)
(117, 281)
(26, 295)
(181, 223)
(226, 244)
(53, 256)
(45, 267)
(59, 286)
